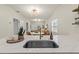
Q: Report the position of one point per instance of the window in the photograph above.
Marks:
(55, 25)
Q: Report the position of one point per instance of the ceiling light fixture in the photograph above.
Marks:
(35, 12)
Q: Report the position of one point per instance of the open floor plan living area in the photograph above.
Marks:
(39, 28)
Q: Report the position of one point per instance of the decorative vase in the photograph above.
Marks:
(51, 36)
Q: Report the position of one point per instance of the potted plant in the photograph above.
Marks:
(21, 33)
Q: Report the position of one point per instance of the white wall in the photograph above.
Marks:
(6, 20)
(65, 16)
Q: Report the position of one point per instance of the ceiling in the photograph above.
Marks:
(46, 10)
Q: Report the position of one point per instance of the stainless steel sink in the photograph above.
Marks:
(40, 44)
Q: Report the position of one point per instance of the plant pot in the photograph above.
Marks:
(20, 37)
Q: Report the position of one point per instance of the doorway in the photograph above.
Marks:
(27, 27)
(16, 24)
(55, 25)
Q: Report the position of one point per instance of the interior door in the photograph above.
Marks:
(16, 24)
(26, 27)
